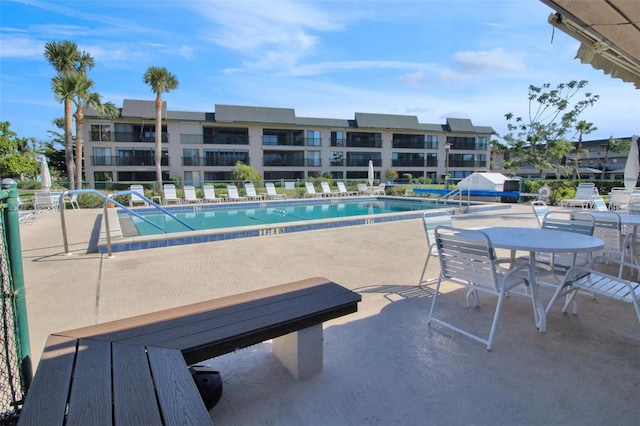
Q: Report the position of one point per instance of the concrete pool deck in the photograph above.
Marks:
(383, 364)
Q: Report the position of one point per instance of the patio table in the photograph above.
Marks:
(536, 240)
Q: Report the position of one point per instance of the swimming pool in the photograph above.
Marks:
(217, 222)
(234, 216)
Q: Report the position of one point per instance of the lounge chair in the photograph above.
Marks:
(326, 190)
(379, 190)
(583, 198)
(170, 195)
(72, 200)
(540, 209)
(250, 189)
(210, 194)
(190, 195)
(135, 199)
(342, 190)
(619, 199)
(233, 195)
(363, 189)
(311, 190)
(43, 200)
(272, 194)
(599, 204)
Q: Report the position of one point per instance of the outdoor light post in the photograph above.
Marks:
(447, 147)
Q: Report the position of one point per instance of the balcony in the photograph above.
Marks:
(149, 137)
(127, 161)
(407, 163)
(216, 161)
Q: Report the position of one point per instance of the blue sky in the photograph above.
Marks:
(328, 58)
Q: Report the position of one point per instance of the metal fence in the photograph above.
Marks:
(15, 362)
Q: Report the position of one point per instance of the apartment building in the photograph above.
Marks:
(203, 147)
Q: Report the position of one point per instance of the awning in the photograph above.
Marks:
(609, 32)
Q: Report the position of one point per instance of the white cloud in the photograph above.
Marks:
(489, 60)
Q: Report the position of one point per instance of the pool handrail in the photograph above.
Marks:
(107, 198)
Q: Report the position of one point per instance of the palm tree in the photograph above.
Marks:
(64, 88)
(583, 128)
(160, 80)
(85, 97)
(64, 56)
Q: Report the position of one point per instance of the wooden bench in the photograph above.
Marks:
(135, 371)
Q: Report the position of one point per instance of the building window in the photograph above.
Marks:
(102, 180)
(282, 137)
(407, 141)
(313, 138)
(432, 142)
(364, 140)
(101, 157)
(192, 178)
(225, 158)
(432, 160)
(337, 158)
(361, 159)
(225, 135)
(407, 159)
(190, 157)
(313, 159)
(337, 138)
(101, 132)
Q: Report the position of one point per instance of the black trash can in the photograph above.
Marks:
(509, 186)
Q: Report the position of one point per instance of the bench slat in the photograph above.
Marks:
(46, 400)
(317, 302)
(179, 398)
(91, 383)
(134, 399)
(146, 323)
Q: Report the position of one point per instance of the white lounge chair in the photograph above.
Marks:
(467, 258)
(170, 195)
(72, 200)
(233, 194)
(190, 195)
(583, 198)
(342, 190)
(590, 280)
(43, 200)
(326, 190)
(540, 209)
(250, 189)
(363, 189)
(599, 204)
(379, 190)
(210, 194)
(135, 199)
(311, 190)
(272, 194)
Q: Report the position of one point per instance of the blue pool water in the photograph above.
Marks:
(204, 217)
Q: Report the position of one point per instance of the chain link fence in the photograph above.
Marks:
(11, 384)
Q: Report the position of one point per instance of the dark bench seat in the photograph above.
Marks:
(134, 371)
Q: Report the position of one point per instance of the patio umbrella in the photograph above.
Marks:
(370, 175)
(632, 167)
(45, 175)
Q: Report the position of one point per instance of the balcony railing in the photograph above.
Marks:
(400, 143)
(127, 161)
(225, 161)
(283, 162)
(149, 137)
(363, 163)
(407, 163)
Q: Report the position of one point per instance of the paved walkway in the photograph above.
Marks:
(383, 365)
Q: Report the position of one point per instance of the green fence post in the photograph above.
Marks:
(12, 224)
